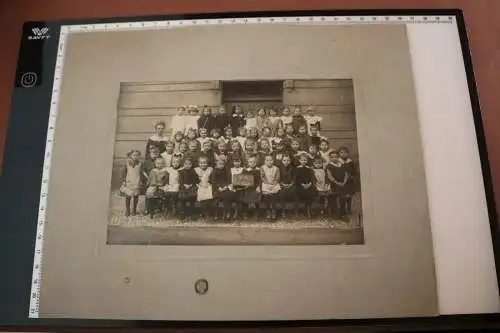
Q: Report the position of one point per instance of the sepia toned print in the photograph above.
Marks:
(236, 162)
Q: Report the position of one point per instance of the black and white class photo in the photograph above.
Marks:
(236, 162)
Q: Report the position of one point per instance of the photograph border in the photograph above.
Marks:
(13, 137)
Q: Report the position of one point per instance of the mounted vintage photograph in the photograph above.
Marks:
(292, 150)
(266, 161)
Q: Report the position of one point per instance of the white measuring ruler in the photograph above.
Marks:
(34, 308)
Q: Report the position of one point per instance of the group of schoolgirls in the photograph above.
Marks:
(192, 172)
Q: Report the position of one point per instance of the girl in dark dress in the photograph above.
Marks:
(203, 137)
(306, 191)
(149, 162)
(132, 181)
(312, 154)
(287, 192)
(158, 178)
(236, 169)
(278, 153)
(251, 195)
(270, 175)
(289, 132)
(148, 165)
(158, 139)
(264, 150)
(192, 152)
(280, 137)
(352, 174)
(237, 119)
(303, 138)
(221, 182)
(215, 135)
(338, 177)
(188, 180)
(250, 150)
(192, 134)
(206, 120)
(298, 119)
(253, 133)
(208, 153)
(172, 187)
(222, 120)
(295, 152)
(235, 151)
(221, 150)
(321, 183)
(168, 154)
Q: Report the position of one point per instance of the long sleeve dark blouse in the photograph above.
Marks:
(298, 121)
(237, 120)
(222, 121)
(287, 174)
(256, 176)
(304, 175)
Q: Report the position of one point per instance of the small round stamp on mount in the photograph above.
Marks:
(201, 286)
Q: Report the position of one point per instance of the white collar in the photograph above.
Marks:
(155, 137)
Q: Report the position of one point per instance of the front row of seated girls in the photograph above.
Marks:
(188, 187)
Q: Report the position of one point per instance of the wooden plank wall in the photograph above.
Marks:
(334, 101)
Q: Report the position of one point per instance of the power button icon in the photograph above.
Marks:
(28, 79)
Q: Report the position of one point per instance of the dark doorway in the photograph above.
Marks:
(251, 95)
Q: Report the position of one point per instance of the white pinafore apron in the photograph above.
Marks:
(133, 179)
(204, 187)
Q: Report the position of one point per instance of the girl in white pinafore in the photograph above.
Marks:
(270, 175)
(204, 195)
(131, 181)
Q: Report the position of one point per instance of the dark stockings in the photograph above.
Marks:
(135, 200)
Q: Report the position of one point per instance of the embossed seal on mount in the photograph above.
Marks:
(201, 286)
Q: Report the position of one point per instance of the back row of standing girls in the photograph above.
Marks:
(188, 122)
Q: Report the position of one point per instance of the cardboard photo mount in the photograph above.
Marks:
(324, 278)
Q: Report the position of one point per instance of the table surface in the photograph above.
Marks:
(482, 19)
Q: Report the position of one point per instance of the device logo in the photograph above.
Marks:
(39, 33)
